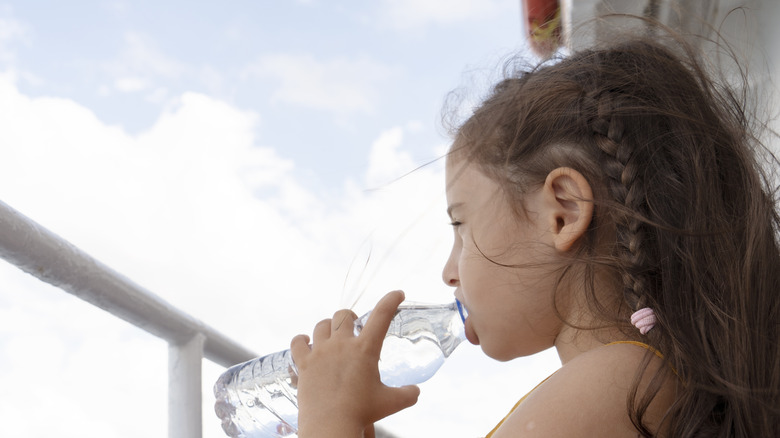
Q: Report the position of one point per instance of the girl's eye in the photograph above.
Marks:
(455, 224)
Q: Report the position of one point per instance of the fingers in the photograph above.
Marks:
(299, 346)
(379, 321)
(405, 396)
(343, 323)
(321, 331)
(397, 399)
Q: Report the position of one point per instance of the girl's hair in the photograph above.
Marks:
(685, 220)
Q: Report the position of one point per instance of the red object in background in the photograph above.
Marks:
(543, 21)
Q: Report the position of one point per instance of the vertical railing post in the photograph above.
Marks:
(185, 398)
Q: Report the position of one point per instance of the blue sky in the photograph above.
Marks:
(322, 77)
(235, 158)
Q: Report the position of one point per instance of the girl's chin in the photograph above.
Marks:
(471, 335)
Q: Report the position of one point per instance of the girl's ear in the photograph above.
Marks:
(570, 206)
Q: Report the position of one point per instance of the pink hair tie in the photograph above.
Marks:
(643, 319)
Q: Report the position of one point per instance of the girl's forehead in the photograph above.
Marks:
(466, 179)
(457, 155)
(458, 149)
(455, 167)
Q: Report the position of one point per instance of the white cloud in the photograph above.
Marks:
(196, 211)
(386, 161)
(142, 55)
(213, 80)
(141, 63)
(119, 8)
(159, 95)
(12, 32)
(130, 84)
(415, 14)
(338, 84)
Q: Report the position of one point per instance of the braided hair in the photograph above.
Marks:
(684, 217)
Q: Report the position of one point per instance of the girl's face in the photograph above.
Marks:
(501, 266)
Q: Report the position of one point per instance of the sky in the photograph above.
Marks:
(258, 164)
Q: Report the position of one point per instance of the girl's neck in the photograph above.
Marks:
(572, 341)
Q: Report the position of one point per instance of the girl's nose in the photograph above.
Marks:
(450, 272)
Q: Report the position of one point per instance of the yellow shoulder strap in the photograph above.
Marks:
(638, 344)
(515, 407)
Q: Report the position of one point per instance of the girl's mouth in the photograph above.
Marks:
(471, 334)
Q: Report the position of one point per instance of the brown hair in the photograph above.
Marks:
(683, 203)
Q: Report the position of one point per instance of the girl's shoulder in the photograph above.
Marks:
(588, 396)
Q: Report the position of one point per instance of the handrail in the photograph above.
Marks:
(47, 256)
(42, 253)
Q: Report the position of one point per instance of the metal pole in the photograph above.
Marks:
(39, 252)
(185, 398)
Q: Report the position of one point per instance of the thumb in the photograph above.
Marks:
(396, 399)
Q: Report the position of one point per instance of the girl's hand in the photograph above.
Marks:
(339, 391)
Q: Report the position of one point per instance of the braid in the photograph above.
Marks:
(622, 167)
(684, 221)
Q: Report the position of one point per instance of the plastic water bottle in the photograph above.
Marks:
(258, 398)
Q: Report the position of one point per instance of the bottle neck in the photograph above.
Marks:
(444, 321)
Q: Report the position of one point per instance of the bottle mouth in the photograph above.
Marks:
(462, 311)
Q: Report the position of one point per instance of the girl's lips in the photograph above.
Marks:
(471, 335)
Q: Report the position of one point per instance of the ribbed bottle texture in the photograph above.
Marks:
(258, 398)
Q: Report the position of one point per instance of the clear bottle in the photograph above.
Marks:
(258, 398)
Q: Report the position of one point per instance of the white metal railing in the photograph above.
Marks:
(39, 252)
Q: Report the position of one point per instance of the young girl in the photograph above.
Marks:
(611, 205)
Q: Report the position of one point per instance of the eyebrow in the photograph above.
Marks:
(453, 207)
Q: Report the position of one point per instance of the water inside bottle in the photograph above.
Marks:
(259, 398)
(406, 361)
(419, 339)
(266, 398)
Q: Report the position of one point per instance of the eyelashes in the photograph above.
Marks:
(455, 224)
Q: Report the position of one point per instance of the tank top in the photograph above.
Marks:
(640, 344)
